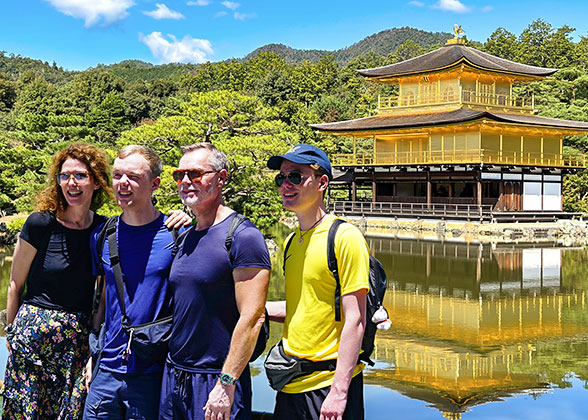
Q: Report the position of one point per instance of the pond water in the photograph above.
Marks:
(478, 332)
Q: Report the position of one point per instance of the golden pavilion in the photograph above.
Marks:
(456, 142)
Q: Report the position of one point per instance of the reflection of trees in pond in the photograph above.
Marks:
(559, 361)
(575, 269)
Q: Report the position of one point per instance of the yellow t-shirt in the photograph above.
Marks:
(310, 330)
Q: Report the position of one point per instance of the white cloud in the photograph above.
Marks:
(198, 3)
(163, 12)
(243, 16)
(187, 50)
(487, 9)
(93, 11)
(416, 3)
(230, 5)
(452, 6)
(221, 14)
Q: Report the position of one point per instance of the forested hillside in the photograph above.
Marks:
(250, 108)
(382, 43)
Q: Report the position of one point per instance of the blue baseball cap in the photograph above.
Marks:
(305, 154)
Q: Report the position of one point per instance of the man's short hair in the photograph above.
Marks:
(217, 159)
(155, 164)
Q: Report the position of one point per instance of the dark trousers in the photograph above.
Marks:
(307, 405)
(184, 394)
(118, 396)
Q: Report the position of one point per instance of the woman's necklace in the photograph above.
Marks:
(301, 239)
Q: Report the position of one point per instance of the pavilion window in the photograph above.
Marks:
(409, 98)
(448, 94)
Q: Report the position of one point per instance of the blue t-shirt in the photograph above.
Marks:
(204, 307)
(145, 259)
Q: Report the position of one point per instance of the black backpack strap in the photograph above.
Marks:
(178, 239)
(236, 221)
(117, 270)
(288, 243)
(109, 224)
(332, 263)
(97, 295)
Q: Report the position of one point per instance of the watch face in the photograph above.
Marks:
(227, 379)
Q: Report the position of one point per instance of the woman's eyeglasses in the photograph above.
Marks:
(294, 178)
(194, 175)
(79, 177)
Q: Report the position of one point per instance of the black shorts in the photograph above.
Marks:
(307, 405)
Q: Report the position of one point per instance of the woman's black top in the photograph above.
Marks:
(60, 276)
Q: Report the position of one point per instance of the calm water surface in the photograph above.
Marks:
(479, 332)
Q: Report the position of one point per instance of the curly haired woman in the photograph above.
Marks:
(47, 334)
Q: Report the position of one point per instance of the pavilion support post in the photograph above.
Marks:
(374, 186)
(501, 195)
(353, 191)
(479, 192)
(429, 190)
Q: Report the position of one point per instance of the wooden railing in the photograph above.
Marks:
(460, 157)
(465, 97)
(444, 211)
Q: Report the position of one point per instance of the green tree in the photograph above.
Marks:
(504, 44)
(90, 88)
(409, 49)
(7, 93)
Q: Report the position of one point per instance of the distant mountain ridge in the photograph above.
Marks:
(382, 43)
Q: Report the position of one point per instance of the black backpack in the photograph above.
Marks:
(374, 298)
(236, 221)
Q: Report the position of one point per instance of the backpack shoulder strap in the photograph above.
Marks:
(288, 243)
(109, 225)
(332, 263)
(178, 239)
(116, 267)
(236, 221)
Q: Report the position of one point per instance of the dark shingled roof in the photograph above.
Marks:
(455, 54)
(381, 122)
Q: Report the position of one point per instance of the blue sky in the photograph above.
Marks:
(78, 34)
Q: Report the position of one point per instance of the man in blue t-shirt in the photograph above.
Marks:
(218, 299)
(128, 388)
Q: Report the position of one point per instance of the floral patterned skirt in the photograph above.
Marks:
(45, 370)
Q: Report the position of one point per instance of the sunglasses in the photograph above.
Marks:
(294, 177)
(194, 175)
(79, 177)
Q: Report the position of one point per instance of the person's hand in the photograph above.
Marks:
(88, 372)
(333, 406)
(220, 401)
(177, 219)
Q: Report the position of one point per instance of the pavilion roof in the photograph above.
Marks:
(453, 55)
(380, 122)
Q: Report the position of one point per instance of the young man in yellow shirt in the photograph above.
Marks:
(310, 329)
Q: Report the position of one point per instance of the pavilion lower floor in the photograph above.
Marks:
(468, 190)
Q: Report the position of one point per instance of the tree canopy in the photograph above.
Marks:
(250, 108)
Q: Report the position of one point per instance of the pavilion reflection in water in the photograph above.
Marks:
(476, 323)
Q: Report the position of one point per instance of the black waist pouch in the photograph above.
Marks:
(281, 368)
(149, 341)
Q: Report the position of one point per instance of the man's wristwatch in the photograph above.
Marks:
(227, 379)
